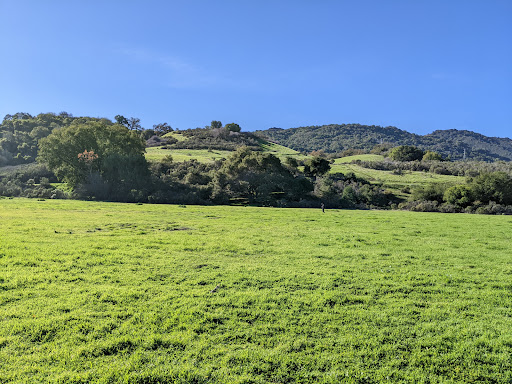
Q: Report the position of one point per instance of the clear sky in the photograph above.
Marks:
(419, 65)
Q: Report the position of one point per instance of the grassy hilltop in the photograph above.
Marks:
(105, 292)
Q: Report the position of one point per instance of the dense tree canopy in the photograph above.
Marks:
(257, 177)
(215, 124)
(96, 153)
(232, 127)
(406, 153)
(21, 132)
(316, 166)
(335, 138)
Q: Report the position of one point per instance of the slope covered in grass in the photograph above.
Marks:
(104, 292)
(398, 183)
(205, 155)
(180, 155)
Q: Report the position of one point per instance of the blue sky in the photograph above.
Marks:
(418, 65)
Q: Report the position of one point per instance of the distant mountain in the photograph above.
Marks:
(336, 138)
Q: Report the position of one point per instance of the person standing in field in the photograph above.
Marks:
(323, 207)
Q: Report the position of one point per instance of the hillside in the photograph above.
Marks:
(336, 138)
(189, 147)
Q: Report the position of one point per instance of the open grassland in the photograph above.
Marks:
(396, 183)
(365, 157)
(281, 151)
(180, 155)
(104, 292)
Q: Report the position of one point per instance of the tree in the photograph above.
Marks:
(232, 127)
(162, 129)
(431, 155)
(459, 195)
(134, 124)
(215, 124)
(494, 186)
(121, 120)
(316, 166)
(109, 154)
(406, 153)
(257, 177)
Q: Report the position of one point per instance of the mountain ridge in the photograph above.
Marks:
(331, 138)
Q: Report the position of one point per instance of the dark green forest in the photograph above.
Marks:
(334, 138)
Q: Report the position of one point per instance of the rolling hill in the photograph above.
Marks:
(335, 138)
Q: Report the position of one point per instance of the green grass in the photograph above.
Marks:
(203, 155)
(180, 155)
(366, 157)
(104, 292)
(281, 151)
(178, 136)
(396, 183)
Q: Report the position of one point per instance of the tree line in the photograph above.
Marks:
(105, 160)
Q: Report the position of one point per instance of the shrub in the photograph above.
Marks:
(459, 195)
(420, 206)
(406, 153)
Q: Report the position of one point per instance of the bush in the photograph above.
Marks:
(420, 206)
(406, 153)
(495, 186)
(431, 155)
(431, 192)
(459, 195)
(495, 209)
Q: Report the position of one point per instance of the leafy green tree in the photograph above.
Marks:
(431, 155)
(39, 132)
(316, 166)
(113, 148)
(232, 127)
(257, 177)
(215, 124)
(121, 120)
(493, 186)
(406, 153)
(291, 162)
(134, 124)
(430, 192)
(459, 195)
(162, 129)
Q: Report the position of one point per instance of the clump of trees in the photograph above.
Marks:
(349, 191)
(29, 180)
(456, 168)
(412, 153)
(98, 159)
(485, 193)
(20, 134)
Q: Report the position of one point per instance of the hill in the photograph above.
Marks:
(336, 138)
(206, 146)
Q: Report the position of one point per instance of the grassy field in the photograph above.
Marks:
(366, 157)
(180, 155)
(108, 293)
(396, 183)
(281, 151)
